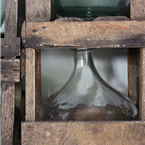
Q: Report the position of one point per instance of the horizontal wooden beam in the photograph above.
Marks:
(83, 133)
(10, 70)
(97, 34)
(10, 47)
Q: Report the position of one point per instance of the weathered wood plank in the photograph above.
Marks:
(10, 47)
(38, 11)
(38, 96)
(108, 34)
(10, 73)
(30, 85)
(7, 117)
(11, 12)
(137, 8)
(132, 74)
(83, 133)
(142, 85)
(10, 70)
(138, 13)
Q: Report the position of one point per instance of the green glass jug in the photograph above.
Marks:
(90, 9)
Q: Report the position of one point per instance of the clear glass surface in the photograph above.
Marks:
(2, 11)
(86, 96)
(90, 9)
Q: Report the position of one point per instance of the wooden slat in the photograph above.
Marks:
(83, 133)
(30, 85)
(38, 96)
(10, 47)
(11, 12)
(38, 11)
(138, 13)
(108, 34)
(132, 74)
(7, 117)
(33, 83)
(142, 85)
(10, 70)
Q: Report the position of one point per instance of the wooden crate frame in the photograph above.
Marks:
(10, 73)
(133, 32)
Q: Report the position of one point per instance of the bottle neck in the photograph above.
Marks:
(82, 58)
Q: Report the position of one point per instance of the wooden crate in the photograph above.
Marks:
(39, 33)
(10, 74)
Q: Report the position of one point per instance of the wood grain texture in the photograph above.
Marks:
(108, 34)
(138, 13)
(142, 85)
(38, 96)
(7, 116)
(11, 13)
(10, 70)
(83, 133)
(18, 95)
(10, 47)
(30, 85)
(132, 74)
(137, 8)
(38, 11)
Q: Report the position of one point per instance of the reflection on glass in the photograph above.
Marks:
(90, 9)
(86, 96)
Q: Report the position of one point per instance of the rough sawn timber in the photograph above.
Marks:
(10, 70)
(138, 13)
(83, 133)
(10, 47)
(97, 34)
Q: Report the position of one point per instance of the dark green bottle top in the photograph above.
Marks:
(90, 9)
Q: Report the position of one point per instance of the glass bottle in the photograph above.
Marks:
(90, 9)
(86, 96)
(2, 11)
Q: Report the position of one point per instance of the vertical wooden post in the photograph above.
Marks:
(8, 89)
(138, 13)
(37, 11)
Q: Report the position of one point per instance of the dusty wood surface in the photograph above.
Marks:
(10, 70)
(7, 116)
(108, 34)
(83, 133)
(137, 8)
(142, 85)
(30, 85)
(138, 13)
(11, 12)
(38, 11)
(10, 47)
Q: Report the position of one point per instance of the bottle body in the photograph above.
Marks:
(90, 9)
(86, 96)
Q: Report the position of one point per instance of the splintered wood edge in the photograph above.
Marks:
(83, 133)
